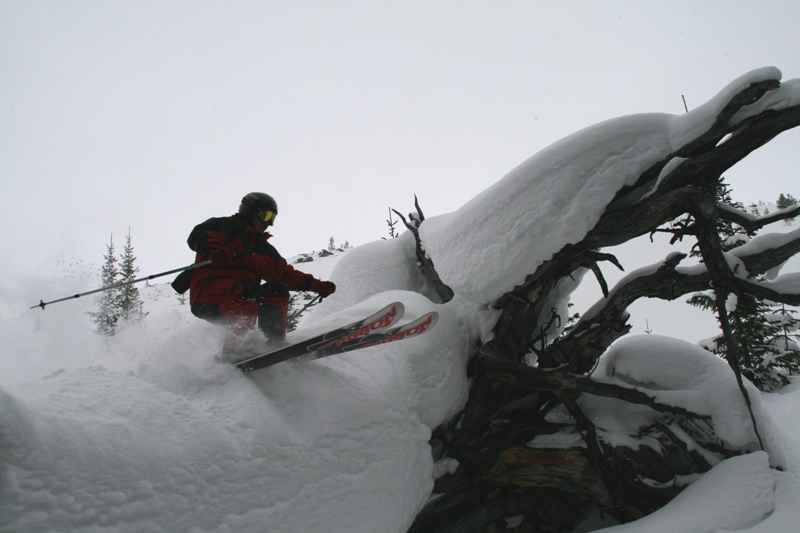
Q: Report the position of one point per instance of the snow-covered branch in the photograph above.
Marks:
(527, 377)
(637, 210)
(750, 222)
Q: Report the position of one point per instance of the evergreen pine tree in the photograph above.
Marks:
(768, 350)
(291, 323)
(785, 201)
(763, 330)
(130, 303)
(107, 316)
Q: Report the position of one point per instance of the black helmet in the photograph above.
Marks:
(257, 202)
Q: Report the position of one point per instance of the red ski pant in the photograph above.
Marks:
(265, 305)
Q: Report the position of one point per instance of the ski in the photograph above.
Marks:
(385, 318)
(412, 329)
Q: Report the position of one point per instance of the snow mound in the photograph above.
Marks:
(735, 494)
(371, 269)
(679, 373)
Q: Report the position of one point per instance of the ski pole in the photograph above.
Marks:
(309, 304)
(42, 303)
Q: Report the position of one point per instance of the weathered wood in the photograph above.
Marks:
(425, 263)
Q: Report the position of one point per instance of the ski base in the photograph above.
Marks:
(371, 331)
(385, 318)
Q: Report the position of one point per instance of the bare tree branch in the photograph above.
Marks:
(444, 292)
(530, 378)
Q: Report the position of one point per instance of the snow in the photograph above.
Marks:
(732, 495)
(494, 241)
(788, 283)
(679, 373)
(685, 128)
(764, 242)
(149, 432)
(489, 245)
(787, 95)
(372, 268)
(156, 437)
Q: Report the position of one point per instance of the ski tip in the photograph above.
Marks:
(398, 308)
(428, 320)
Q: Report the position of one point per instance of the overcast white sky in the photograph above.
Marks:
(156, 115)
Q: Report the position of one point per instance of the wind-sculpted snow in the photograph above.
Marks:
(729, 497)
(679, 373)
(737, 493)
(687, 127)
(156, 436)
(374, 268)
(490, 244)
(171, 440)
(110, 450)
(493, 242)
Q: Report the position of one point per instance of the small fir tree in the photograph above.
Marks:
(768, 349)
(107, 316)
(764, 331)
(392, 226)
(785, 201)
(297, 308)
(292, 320)
(130, 302)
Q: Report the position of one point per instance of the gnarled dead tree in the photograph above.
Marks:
(504, 481)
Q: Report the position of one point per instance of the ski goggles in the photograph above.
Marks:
(266, 215)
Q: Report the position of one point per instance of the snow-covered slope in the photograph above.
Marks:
(149, 432)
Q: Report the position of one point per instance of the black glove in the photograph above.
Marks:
(323, 288)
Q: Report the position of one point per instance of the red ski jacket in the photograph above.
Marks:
(255, 260)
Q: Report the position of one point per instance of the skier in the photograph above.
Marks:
(230, 290)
